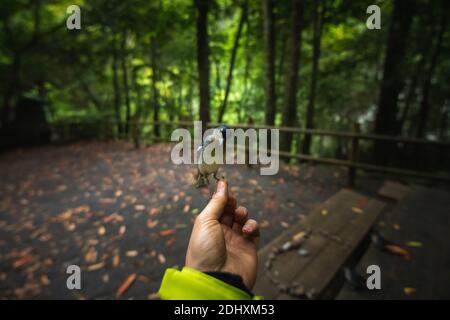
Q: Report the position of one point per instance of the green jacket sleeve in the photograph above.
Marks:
(190, 284)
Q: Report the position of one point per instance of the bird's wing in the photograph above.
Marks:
(199, 151)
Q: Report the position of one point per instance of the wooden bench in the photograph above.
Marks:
(393, 190)
(334, 235)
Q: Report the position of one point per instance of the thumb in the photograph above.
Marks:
(216, 205)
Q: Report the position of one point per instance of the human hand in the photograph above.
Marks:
(224, 239)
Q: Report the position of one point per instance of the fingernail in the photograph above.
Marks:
(220, 186)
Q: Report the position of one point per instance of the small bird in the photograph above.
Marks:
(204, 170)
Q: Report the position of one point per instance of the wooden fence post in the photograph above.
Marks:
(353, 155)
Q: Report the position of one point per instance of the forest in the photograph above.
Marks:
(90, 92)
(135, 65)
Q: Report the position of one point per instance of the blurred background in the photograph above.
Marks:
(85, 115)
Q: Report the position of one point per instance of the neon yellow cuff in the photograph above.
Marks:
(190, 284)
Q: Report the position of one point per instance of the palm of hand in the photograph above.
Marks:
(236, 253)
(224, 239)
(217, 246)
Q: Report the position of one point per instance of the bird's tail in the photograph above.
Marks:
(201, 181)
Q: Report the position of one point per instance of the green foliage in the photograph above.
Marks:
(73, 70)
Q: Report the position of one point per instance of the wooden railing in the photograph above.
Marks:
(353, 137)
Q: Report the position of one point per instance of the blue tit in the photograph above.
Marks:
(204, 170)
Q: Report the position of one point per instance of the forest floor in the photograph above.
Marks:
(125, 215)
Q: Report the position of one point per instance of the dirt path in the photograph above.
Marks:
(116, 211)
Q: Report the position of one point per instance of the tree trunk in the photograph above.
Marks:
(156, 127)
(392, 83)
(136, 129)
(290, 98)
(317, 35)
(13, 88)
(269, 43)
(203, 59)
(412, 90)
(232, 62)
(189, 101)
(218, 82)
(444, 120)
(126, 88)
(425, 103)
(116, 88)
(248, 59)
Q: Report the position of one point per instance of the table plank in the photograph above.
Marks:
(336, 228)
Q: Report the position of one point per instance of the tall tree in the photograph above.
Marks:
(136, 129)
(116, 86)
(269, 43)
(203, 59)
(126, 89)
(412, 91)
(289, 115)
(392, 83)
(155, 93)
(444, 119)
(242, 19)
(425, 103)
(318, 12)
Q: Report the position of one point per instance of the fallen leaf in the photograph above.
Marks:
(357, 210)
(409, 290)
(81, 209)
(95, 267)
(126, 285)
(91, 255)
(107, 200)
(397, 250)
(299, 236)
(116, 260)
(284, 224)
(143, 279)
(71, 226)
(113, 218)
(161, 258)
(26, 259)
(154, 211)
(132, 253)
(414, 244)
(45, 281)
(170, 242)
(66, 215)
(152, 223)
(101, 231)
(167, 232)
